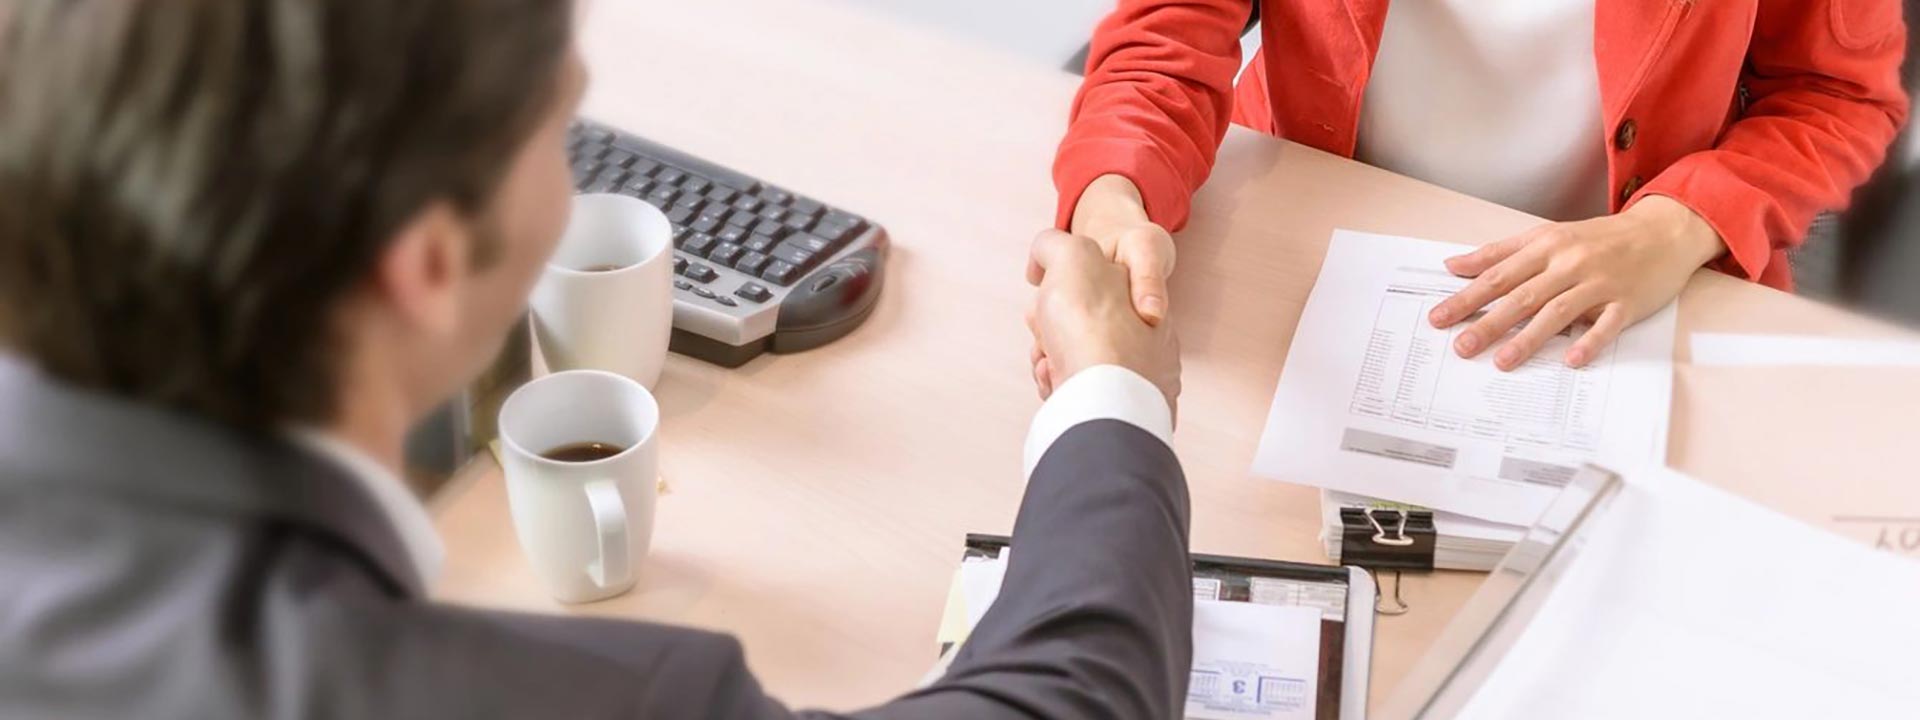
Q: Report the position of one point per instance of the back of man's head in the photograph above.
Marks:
(188, 187)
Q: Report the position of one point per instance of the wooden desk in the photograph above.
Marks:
(817, 502)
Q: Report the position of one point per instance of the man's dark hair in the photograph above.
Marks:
(189, 187)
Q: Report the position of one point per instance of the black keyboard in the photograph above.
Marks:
(757, 267)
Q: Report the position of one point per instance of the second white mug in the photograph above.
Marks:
(605, 301)
(582, 459)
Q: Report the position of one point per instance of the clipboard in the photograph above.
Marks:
(1492, 621)
(1344, 594)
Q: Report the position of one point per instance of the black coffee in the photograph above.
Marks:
(604, 268)
(582, 452)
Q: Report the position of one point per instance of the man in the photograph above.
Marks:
(244, 244)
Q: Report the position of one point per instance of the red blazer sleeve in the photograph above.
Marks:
(1155, 103)
(1823, 78)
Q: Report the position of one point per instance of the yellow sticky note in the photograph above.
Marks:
(953, 622)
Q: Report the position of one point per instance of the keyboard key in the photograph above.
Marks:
(718, 212)
(727, 301)
(645, 167)
(683, 285)
(722, 194)
(705, 224)
(637, 186)
(807, 206)
(751, 262)
(793, 255)
(772, 229)
(620, 158)
(754, 292)
(582, 174)
(701, 273)
(840, 217)
(798, 222)
(743, 220)
(810, 243)
(775, 195)
(760, 243)
(774, 213)
(695, 184)
(670, 176)
(679, 217)
(663, 197)
(698, 243)
(693, 203)
(725, 254)
(679, 265)
(835, 234)
(734, 234)
(781, 272)
(703, 292)
(734, 180)
(749, 203)
(608, 181)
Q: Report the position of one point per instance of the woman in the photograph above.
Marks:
(1660, 136)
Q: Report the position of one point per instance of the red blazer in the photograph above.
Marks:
(1757, 114)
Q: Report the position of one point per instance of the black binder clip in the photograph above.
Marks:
(1395, 539)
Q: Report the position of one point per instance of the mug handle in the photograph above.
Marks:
(612, 568)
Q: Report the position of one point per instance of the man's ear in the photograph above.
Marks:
(419, 274)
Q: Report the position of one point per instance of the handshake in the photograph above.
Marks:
(1084, 315)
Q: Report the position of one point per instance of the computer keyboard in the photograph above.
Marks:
(756, 267)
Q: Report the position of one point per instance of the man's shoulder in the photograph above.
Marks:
(264, 620)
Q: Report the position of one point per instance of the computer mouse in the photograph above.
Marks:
(830, 302)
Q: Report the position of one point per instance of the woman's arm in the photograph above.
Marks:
(1825, 103)
(1826, 100)
(1155, 104)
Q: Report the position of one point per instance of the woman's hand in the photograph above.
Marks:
(1612, 271)
(1111, 213)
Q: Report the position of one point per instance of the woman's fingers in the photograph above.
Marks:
(1554, 316)
(1613, 319)
(1511, 310)
(1490, 285)
(1488, 255)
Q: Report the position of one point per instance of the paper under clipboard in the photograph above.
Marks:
(1652, 595)
(1272, 640)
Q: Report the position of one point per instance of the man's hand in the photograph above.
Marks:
(1111, 213)
(1083, 316)
(1613, 271)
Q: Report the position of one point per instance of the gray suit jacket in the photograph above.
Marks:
(154, 566)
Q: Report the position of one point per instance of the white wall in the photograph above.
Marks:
(1049, 31)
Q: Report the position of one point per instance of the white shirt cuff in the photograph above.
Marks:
(1101, 392)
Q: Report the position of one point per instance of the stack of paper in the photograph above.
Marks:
(1681, 600)
(1460, 542)
(1374, 402)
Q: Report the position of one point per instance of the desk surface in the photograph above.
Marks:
(817, 502)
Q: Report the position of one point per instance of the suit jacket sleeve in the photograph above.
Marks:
(1094, 619)
(1155, 103)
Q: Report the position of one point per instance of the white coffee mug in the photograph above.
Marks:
(585, 526)
(606, 299)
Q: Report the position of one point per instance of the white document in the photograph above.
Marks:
(1738, 350)
(1254, 662)
(980, 581)
(1688, 602)
(1373, 400)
